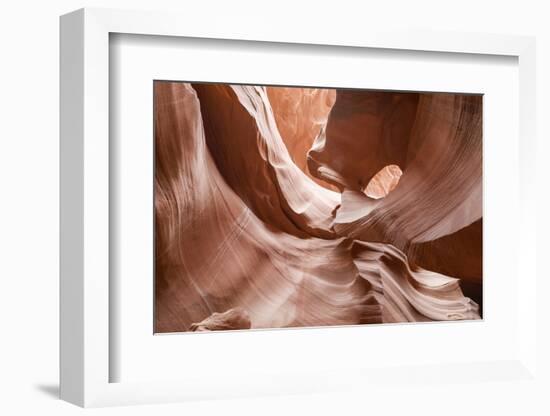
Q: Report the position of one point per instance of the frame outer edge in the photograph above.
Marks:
(527, 293)
(71, 203)
(84, 176)
(95, 195)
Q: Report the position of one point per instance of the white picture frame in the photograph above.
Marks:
(85, 164)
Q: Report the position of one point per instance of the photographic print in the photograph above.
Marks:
(280, 207)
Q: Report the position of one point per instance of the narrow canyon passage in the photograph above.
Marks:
(288, 207)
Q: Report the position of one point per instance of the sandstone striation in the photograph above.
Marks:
(288, 207)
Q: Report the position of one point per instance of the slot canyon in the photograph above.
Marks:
(300, 207)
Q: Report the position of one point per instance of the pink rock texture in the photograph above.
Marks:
(236, 318)
(289, 207)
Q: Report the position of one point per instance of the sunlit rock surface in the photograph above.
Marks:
(301, 114)
(285, 207)
(384, 182)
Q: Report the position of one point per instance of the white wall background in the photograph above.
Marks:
(29, 116)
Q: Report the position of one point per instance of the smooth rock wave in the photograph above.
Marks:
(264, 217)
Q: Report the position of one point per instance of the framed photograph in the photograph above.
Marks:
(275, 212)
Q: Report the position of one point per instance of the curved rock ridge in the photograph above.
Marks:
(440, 191)
(245, 238)
(410, 294)
(215, 254)
(244, 140)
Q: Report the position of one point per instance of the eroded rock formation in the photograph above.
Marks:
(286, 207)
(236, 318)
